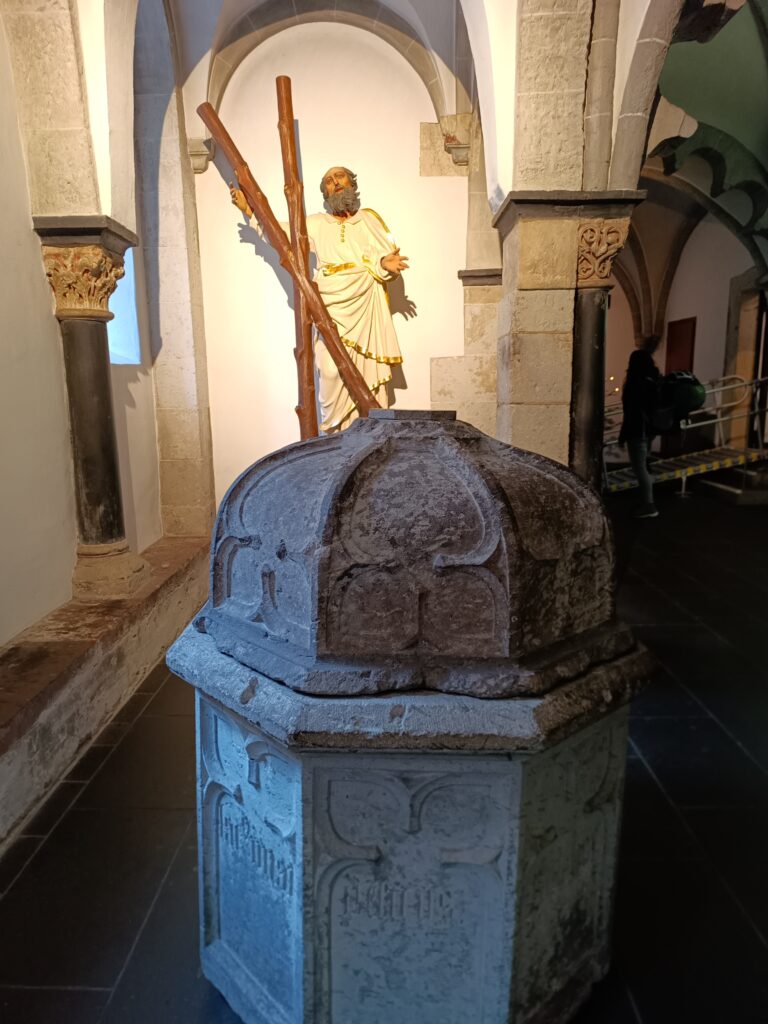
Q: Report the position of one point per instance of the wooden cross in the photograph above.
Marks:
(294, 257)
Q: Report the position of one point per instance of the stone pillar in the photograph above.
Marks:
(549, 250)
(599, 241)
(467, 383)
(83, 259)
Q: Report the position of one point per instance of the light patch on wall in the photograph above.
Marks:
(123, 331)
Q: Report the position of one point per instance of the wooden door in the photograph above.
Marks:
(681, 335)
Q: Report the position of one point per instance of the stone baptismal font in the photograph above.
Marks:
(412, 700)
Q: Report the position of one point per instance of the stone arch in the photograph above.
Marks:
(633, 301)
(267, 19)
(651, 175)
(54, 119)
(650, 51)
(119, 44)
(173, 314)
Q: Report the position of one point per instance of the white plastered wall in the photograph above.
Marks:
(37, 516)
(106, 43)
(367, 118)
(492, 28)
(711, 258)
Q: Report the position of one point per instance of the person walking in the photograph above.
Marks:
(638, 399)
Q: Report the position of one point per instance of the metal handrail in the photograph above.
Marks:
(756, 410)
(714, 387)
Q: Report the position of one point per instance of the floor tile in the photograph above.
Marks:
(163, 981)
(15, 858)
(175, 697)
(89, 764)
(698, 764)
(111, 734)
(132, 708)
(651, 828)
(72, 920)
(609, 1003)
(664, 696)
(155, 679)
(154, 766)
(686, 951)
(53, 809)
(736, 843)
(639, 604)
(51, 1006)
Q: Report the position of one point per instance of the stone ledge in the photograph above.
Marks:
(97, 229)
(64, 677)
(539, 205)
(480, 276)
(409, 720)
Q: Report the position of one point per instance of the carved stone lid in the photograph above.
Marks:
(412, 552)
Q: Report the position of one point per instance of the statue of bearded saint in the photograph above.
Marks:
(356, 257)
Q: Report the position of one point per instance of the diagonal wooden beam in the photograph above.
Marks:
(349, 373)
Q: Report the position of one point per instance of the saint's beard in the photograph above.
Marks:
(346, 201)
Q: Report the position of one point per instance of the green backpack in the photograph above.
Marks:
(678, 394)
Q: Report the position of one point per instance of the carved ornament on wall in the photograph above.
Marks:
(82, 278)
(599, 243)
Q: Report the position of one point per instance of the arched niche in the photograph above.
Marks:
(265, 20)
(249, 320)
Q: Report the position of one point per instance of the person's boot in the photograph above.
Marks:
(645, 512)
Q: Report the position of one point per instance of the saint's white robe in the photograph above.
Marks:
(351, 281)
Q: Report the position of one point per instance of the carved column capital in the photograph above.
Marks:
(82, 278)
(599, 242)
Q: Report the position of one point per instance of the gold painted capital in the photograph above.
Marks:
(82, 278)
(599, 242)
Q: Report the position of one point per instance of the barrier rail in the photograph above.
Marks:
(720, 412)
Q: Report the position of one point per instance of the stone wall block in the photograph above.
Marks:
(480, 413)
(510, 258)
(482, 293)
(535, 368)
(541, 312)
(156, 119)
(179, 434)
(537, 428)
(434, 161)
(549, 140)
(175, 384)
(480, 328)
(46, 7)
(483, 248)
(61, 176)
(647, 62)
(156, 161)
(182, 479)
(553, 53)
(186, 520)
(547, 253)
(557, 7)
(46, 70)
(152, 71)
(461, 378)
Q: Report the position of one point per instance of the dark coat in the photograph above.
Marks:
(639, 397)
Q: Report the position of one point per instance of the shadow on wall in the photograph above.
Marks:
(156, 132)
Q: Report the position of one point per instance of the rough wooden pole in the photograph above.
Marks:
(349, 373)
(306, 410)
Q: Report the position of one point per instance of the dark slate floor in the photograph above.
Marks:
(98, 920)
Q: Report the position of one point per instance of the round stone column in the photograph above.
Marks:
(599, 241)
(83, 263)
